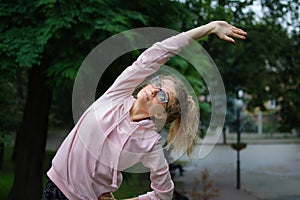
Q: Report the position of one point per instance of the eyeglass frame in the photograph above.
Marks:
(157, 79)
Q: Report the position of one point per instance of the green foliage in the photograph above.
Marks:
(60, 32)
(267, 58)
(288, 82)
(5, 138)
(10, 104)
(57, 35)
(276, 68)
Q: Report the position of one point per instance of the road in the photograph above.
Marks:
(268, 171)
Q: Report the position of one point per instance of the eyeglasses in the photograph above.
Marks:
(161, 96)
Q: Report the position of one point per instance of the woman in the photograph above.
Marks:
(119, 130)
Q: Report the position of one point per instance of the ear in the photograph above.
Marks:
(161, 115)
(158, 112)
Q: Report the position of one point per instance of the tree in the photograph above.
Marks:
(50, 40)
(8, 104)
(283, 18)
(266, 59)
(269, 68)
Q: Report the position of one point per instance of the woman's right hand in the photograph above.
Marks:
(107, 196)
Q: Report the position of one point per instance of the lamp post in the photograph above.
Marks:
(238, 104)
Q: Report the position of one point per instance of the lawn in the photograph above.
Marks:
(132, 186)
(6, 174)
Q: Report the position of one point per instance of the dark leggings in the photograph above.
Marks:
(52, 192)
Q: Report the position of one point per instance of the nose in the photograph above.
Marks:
(154, 91)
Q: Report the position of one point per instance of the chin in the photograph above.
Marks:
(139, 96)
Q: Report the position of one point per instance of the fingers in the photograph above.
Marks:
(235, 33)
(228, 32)
(229, 39)
(107, 196)
(238, 36)
(239, 33)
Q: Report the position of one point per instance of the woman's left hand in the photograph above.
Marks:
(227, 32)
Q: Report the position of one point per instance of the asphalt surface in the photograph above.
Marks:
(268, 171)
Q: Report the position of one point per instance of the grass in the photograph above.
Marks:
(6, 181)
(132, 185)
(6, 174)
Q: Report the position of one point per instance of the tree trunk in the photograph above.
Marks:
(31, 138)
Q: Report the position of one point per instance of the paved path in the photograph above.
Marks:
(267, 172)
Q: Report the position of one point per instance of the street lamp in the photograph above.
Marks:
(238, 104)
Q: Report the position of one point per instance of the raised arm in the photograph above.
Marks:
(222, 29)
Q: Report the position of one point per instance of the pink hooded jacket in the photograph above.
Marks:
(106, 141)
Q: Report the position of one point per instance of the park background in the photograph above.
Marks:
(43, 44)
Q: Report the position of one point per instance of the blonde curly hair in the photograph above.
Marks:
(183, 117)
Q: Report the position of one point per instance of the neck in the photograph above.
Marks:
(136, 113)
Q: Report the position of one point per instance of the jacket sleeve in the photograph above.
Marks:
(161, 182)
(146, 64)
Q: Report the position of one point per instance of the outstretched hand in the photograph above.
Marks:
(227, 32)
(222, 29)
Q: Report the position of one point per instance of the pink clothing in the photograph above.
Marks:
(105, 141)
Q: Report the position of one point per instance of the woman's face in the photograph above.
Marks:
(153, 94)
